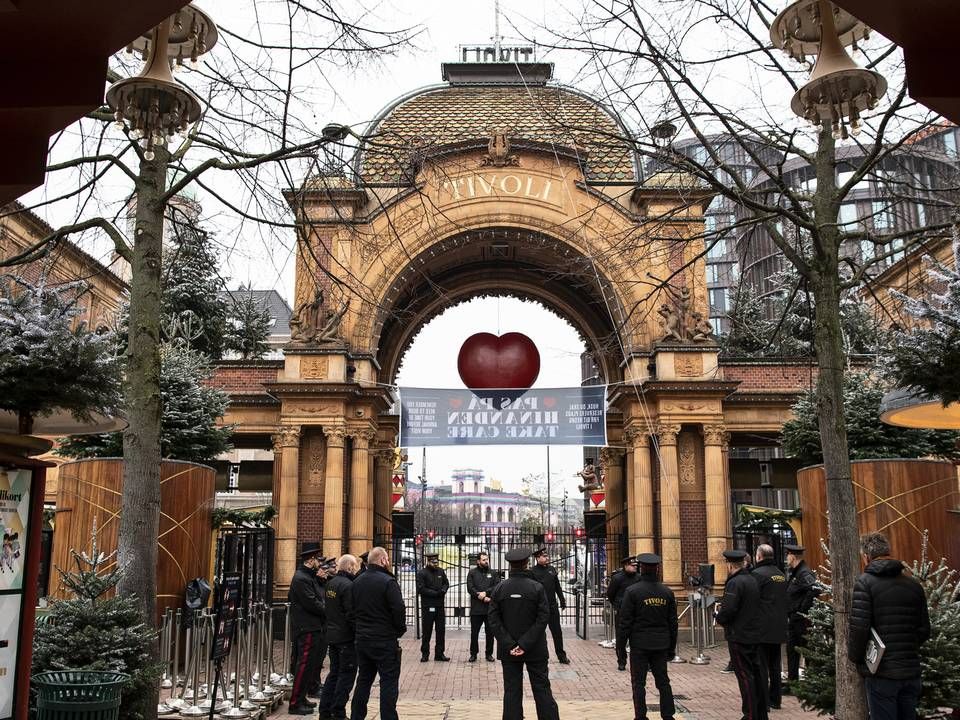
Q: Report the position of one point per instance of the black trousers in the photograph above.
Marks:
(796, 639)
(747, 667)
(306, 666)
(770, 665)
(656, 662)
(539, 683)
(555, 632)
(477, 622)
(620, 638)
(373, 658)
(316, 684)
(339, 683)
(431, 618)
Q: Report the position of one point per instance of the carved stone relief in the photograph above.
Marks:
(688, 365)
(314, 368)
(687, 460)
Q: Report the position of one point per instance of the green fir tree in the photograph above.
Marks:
(249, 325)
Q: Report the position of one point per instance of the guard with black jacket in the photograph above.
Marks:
(307, 620)
(519, 613)
(480, 581)
(648, 617)
(432, 585)
(340, 640)
(802, 590)
(739, 614)
(774, 605)
(619, 583)
(894, 605)
(544, 573)
(379, 621)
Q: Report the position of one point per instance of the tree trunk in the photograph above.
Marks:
(140, 514)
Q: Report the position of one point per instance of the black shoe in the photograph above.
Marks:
(308, 703)
(490, 658)
(774, 707)
(441, 658)
(728, 668)
(622, 667)
(564, 660)
(473, 658)
(325, 716)
(300, 709)
(424, 658)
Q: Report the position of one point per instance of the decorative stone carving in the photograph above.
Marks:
(286, 436)
(687, 460)
(637, 437)
(314, 368)
(363, 436)
(498, 150)
(701, 330)
(317, 462)
(684, 407)
(688, 364)
(679, 322)
(667, 433)
(716, 435)
(669, 324)
(332, 319)
(610, 456)
(336, 434)
(312, 324)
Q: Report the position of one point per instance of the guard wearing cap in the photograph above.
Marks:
(773, 621)
(326, 568)
(307, 620)
(802, 590)
(739, 614)
(620, 581)
(519, 613)
(432, 585)
(544, 573)
(648, 617)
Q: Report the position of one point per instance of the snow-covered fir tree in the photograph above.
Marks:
(48, 357)
(750, 329)
(249, 324)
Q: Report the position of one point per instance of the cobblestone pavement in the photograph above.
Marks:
(590, 688)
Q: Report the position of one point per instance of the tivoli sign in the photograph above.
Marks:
(494, 184)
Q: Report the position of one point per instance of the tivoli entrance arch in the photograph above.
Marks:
(502, 183)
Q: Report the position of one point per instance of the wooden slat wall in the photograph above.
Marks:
(90, 490)
(900, 498)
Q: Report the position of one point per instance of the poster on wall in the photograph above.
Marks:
(14, 519)
(9, 633)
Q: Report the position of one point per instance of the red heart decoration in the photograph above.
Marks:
(508, 361)
(455, 403)
(549, 402)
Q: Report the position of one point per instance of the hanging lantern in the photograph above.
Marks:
(509, 361)
(838, 91)
(192, 33)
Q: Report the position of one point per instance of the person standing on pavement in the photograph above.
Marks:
(619, 583)
(432, 585)
(519, 613)
(340, 641)
(802, 590)
(379, 619)
(648, 617)
(544, 573)
(894, 606)
(480, 581)
(774, 605)
(739, 614)
(326, 567)
(307, 620)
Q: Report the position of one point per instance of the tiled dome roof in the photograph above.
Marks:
(454, 114)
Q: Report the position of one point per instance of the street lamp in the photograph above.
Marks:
(663, 134)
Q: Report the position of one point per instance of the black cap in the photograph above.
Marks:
(309, 549)
(365, 555)
(539, 551)
(517, 555)
(431, 555)
(648, 559)
(734, 555)
(629, 560)
(794, 549)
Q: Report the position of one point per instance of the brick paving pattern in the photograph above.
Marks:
(590, 688)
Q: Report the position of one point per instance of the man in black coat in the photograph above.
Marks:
(340, 640)
(544, 573)
(519, 613)
(307, 620)
(432, 585)
(480, 581)
(802, 590)
(379, 620)
(739, 614)
(620, 581)
(648, 617)
(895, 606)
(774, 605)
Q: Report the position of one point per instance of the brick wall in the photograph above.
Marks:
(309, 523)
(248, 378)
(693, 535)
(796, 377)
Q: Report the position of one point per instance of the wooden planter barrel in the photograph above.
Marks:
(91, 489)
(900, 498)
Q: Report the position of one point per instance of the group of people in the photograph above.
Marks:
(352, 610)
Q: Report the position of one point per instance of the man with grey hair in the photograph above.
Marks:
(774, 606)
(340, 640)
(892, 605)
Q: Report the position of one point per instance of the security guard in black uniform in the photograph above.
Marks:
(480, 581)
(544, 573)
(432, 584)
(648, 617)
(619, 582)
(773, 621)
(739, 614)
(519, 613)
(308, 619)
(802, 590)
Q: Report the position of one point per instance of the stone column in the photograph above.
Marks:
(611, 458)
(361, 503)
(383, 486)
(669, 503)
(286, 454)
(719, 532)
(333, 495)
(641, 535)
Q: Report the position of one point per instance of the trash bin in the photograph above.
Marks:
(79, 694)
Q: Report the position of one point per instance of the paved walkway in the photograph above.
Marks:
(590, 688)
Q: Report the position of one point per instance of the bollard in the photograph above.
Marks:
(697, 627)
(165, 680)
(286, 680)
(197, 630)
(235, 710)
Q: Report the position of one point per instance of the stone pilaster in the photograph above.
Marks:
(383, 486)
(670, 547)
(641, 525)
(719, 532)
(361, 502)
(333, 495)
(286, 459)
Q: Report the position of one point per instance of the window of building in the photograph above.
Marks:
(713, 273)
(461, 487)
(488, 515)
(882, 217)
(950, 143)
(717, 325)
(700, 154)
(848, 214)
(511, 517)
(921, 215)
(718, 249)
(718, 299)
(500, 515)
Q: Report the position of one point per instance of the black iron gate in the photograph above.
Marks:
(248, 551)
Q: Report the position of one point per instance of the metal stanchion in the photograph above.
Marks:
(248, 689)
(235, 710)
(273, 676)
(197, 629)
(166, 681)
(286, 679)
(174, 702)
(258, 696)
(697, 628)
(264, 681)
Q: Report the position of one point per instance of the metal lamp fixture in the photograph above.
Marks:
(152, 104)
(191, 35)
(838, 91)
(796, 30)
(663, 134)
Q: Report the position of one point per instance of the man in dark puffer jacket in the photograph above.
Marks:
(895, 606)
